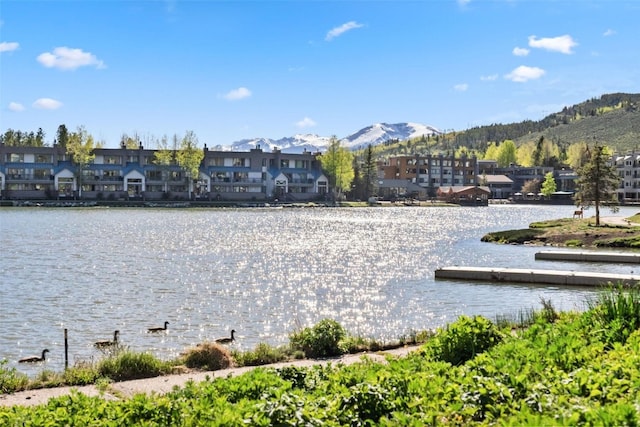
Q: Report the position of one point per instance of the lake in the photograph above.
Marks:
(263, 272)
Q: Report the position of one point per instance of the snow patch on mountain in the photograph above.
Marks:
(374, 135)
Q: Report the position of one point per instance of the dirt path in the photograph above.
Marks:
(166, 383)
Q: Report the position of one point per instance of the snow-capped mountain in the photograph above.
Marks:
(381, 132)
(374, 135)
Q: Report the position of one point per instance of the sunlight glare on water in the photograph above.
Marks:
(263, 272)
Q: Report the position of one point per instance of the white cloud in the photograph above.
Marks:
(609, 32)
(66, 58)
(461, 87)
(463, 2)
(47, 104)
(489, 78)
(8, 46)
(562, 44)
(237, 94)
(338, 31)
(524, 73)
(17, 107)
(306, 123)
(520, 51)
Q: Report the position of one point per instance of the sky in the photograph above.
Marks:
(233, 70)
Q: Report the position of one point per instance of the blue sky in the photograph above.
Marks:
(232, 70)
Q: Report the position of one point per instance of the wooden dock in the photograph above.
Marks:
(612, 257)
(550, 277)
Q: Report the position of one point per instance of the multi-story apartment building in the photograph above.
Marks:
(432, 171)
(124, 173)
(628, 167)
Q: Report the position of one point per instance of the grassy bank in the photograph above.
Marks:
(573, 233)
(327, 338)
(548, 369)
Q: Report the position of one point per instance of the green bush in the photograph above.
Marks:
(615, 312)
(323, 340)
(513, 236)
(128, 365)
(463, 339)
(10, 379)
(263, 354)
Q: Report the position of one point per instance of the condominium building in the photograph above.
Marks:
(432, 171)
(125, 173)
(628, 167)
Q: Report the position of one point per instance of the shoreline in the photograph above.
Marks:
(166, 383)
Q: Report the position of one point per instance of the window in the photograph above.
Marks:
(238, 162)
(15, 158)
(112, 160)
(43, 158)
(41, 173)
(154, 175)
(284, 163)
(216, 161)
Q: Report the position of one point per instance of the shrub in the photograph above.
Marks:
(262, 355)
(82, 373)
(10, 379)
(513, 236)
(615, 312)
(128, 365)
(320, 341)
(463, 339)
(574, 243)
(209, 356)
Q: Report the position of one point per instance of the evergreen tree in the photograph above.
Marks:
(62, 136)
(597, 181)
(370, 173)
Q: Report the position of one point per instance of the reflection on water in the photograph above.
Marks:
(262, 272)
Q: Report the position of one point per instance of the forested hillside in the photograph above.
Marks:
(612, 119)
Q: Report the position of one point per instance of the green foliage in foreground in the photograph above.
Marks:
(322, 340)
(579, 369)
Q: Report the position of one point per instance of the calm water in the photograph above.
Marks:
(262, 272)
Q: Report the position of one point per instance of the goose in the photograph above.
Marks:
(227, 340)
(158, 328)
(34, 359)
(103, 344)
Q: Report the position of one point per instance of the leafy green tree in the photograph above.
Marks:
(524, 154)
(549, 185)
(164, 157)
(576, 154)
(80, 146)
(506, 153)
(337, 164)
(597, 181)
(189, 157)
(130, 142)
(492, 152)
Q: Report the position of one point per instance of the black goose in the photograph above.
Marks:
(158, 328)
(103, 344)
(34, 359)
(227, 340)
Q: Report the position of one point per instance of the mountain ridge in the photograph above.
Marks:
(375, 134)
